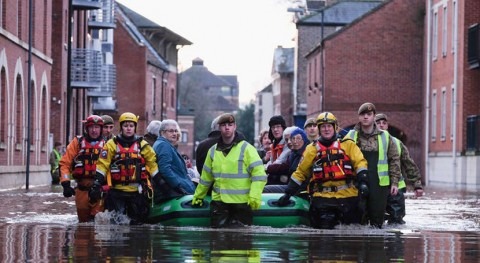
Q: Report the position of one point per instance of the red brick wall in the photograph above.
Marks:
(378, 59)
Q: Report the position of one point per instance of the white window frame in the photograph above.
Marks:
(452, 110)
(443, 114)
(433, 134)
(435, 35)
(454, 25)
(444, 31)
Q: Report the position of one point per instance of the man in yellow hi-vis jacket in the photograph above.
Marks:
(236, 172)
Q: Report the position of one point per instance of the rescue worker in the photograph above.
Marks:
(311, 129)
(396, 203)
(153, 131)
(108, 126)
(379, 148)
(127, 164)
(79, 163)
(55, 156)
(334, 169)
(236, 173)
(172, 180)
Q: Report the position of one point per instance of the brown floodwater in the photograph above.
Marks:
(40, 225)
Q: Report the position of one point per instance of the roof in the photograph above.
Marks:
(132, 28)
(340, 13)
(201, 76)
(146, 24)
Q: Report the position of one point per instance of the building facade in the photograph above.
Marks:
(452, 80)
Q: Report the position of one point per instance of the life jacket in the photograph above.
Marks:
(331, 163)
(128, 165)
(85, 162)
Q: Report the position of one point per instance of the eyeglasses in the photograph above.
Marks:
(171, 130)
(296, 139)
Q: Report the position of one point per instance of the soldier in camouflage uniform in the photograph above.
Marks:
(379, 148)
(410, 172)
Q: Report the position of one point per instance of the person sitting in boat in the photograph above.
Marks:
(299, 141)
(239, 178)
(278, 171)
(264, 144)
(153, 131)
(192, 172)
(173, 180)
(127, 164)
(332, 167)
(279, 151)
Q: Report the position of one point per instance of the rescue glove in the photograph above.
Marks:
(284, 200)
(196, 202)
(292, 189)
(362, 179)
(95, 192)
(68, 191)
(254, 203)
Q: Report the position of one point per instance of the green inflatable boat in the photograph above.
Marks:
(179, 212)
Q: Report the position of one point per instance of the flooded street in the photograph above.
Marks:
(40, 225)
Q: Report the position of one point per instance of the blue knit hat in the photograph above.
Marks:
(301, 132)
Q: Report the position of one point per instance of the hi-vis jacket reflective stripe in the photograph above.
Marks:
(401, 182)
(383, 139)
(234, 177)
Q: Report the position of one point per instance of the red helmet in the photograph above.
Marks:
(93, 120)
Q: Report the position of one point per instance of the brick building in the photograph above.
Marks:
(375, 58)
(18, 94)
(311, 29)
(451, 88)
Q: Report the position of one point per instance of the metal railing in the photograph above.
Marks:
(109, 82)
(104, 17)
(86, 68)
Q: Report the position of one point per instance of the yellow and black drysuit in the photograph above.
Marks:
(331, 167)
(128, 164)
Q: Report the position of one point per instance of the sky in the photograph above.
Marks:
(232, 37)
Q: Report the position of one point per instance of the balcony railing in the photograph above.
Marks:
(103, 18)
(86, 68)
(109, 83)
(86, 4)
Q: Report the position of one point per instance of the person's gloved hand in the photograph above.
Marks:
(197, 202)
(68, 191)
(362, 179)
(95, 192)
(284, 200)
(254, 203)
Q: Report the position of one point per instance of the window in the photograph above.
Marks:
(435, 36)
(184, 137)
(473, 51)
(443, 111)
(454, 26)
(444, 32)
(452, 110)
(434, 116)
